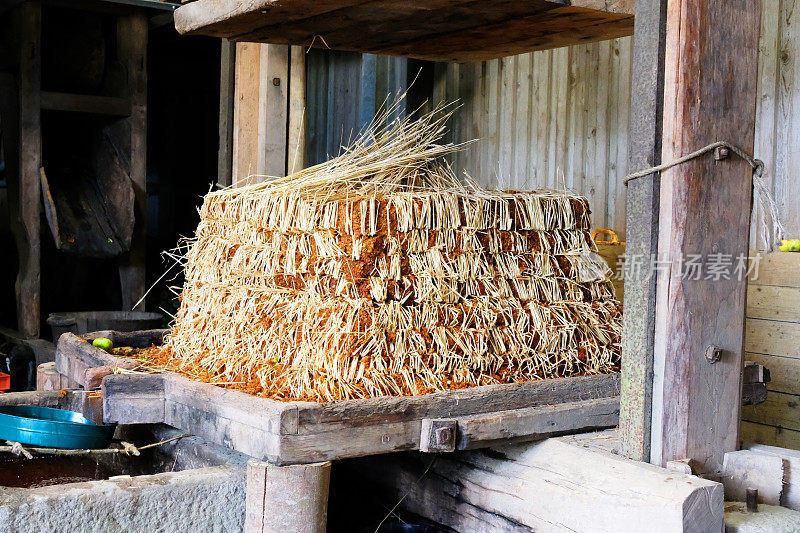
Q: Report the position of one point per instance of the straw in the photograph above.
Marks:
(380, 273)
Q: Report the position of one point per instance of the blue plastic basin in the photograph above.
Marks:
(52, 428)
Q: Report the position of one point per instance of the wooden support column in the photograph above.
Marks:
(644, 151)
(711, 65)
(260, 112)
(25, 190)
(296, 148)
(227, 81)
(287, 499)
(132, 51)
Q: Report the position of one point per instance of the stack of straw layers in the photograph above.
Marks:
(368, 276)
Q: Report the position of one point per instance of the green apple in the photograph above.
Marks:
(103, 343)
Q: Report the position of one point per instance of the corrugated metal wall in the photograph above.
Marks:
(560, 117)
(343, 92)
(554, 119)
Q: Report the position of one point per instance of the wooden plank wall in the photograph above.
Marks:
(772, 338)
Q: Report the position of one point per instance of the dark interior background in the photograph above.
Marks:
(182, 129)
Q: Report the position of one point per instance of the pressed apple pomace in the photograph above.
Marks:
(380, 273)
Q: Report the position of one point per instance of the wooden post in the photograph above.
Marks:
(25, 193)
(132, 51)
(227, 80)
(644, 150)
(711, 63)
(296, 148)
(260, 112)
(287, 499)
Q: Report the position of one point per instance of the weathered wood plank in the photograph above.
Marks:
(709, 94)
(572, 488)
(237, 435)
(773, 302)
(780, 410)
(85, 103)
(227, 95)
(74, 355)
(133, 399)
(267, 415)
(132, 52)
(642, 206)
(25, 189)
(772, 337)
(776, 436)
(536, 423)
(296, 148)
(779, 268)
(245, 112)
(443, 30)
(261, 109)
(765, 136)
(316, 418)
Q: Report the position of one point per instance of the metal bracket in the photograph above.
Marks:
(438, 435)
(713, 354)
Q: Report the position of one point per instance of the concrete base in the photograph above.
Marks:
(201, 487)
(206, 499)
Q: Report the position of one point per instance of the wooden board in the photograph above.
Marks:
(437, 30)
(641, 206)
(772, 338)
(306, 432)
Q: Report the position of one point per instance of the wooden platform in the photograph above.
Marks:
(306, 432)
(436, 30)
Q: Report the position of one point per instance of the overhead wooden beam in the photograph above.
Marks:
(711, 66)
(642, 199)
(439, 30)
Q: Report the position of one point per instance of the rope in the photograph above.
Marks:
(761, 191)
(757, 164)
(127, 448)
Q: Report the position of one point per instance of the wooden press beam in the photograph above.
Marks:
(132, 51)
(710, 66)
(644, 151)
